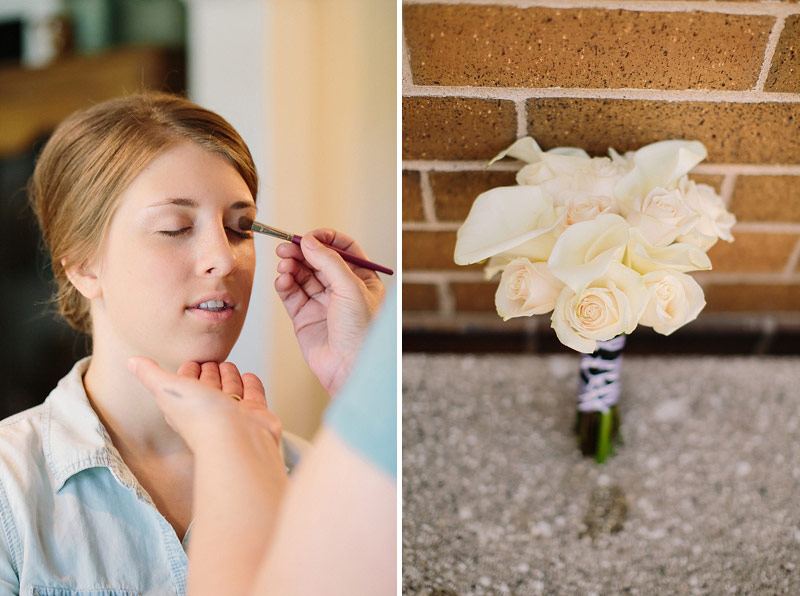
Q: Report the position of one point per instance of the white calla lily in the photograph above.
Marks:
(525, 149)
(496, 265)
(502, 219)
(659, 165)
(584, 250)
(643, 257)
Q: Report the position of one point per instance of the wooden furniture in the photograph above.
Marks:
(34, 101)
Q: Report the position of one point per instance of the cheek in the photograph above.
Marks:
(145, 270)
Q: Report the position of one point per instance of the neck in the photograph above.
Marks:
(126, 409)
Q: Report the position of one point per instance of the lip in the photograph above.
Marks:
(216, 317)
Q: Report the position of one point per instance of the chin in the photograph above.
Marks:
(203, 352)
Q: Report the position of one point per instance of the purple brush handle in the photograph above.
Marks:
(352, 258)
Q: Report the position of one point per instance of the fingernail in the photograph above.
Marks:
(312, 241)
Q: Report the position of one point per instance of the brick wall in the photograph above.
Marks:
(593, 74)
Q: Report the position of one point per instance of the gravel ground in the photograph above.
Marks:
(701, 499)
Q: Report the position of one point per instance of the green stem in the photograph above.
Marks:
(604, 437)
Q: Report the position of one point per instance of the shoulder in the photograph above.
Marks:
(22, 433)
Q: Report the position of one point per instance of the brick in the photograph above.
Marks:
(505, 46)
(474, 297)
(767, 198)
(454, 192)
(431, 250)
(732, 132)
(753, 298)
(785, 72)
(753, 252)
(712, 180)
(457, 127)
(412, 197)
(420, 297)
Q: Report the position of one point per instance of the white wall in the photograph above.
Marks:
(311, 86)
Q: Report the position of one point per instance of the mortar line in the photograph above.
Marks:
(728, 279)
(514, 165)
(769, 52)
(407, 79)
(670, 95)
(735, 8)
(426, 191)
(436, 276)
(522, 118)
(431, 226)
(431, 276)
(727, 187)
(791, 262)
(447, 301)
(767, 227)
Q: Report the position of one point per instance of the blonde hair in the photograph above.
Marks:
(94, 155)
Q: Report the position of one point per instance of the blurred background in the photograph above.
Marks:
(477, 76)
(310, 85)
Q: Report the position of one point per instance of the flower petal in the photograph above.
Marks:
(660, 165)
(643, 257)
(501, 219)
(566, 334)
(584, 250)
(525, 149)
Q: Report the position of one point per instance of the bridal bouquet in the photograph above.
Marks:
(604, 243)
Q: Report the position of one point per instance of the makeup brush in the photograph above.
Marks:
(246, 223)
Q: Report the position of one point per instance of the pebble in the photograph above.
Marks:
(711, 505)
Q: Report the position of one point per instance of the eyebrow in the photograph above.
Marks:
(183, 202)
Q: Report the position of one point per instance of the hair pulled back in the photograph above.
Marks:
(94, 155)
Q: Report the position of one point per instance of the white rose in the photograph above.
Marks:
(582, 206)
(643, 257)
(714, 220)
(675, 299)
(605, 308)
(622, 164)
(505, 218)
(526, 289)
(555, 172)
(659, 165)
(661, 216)
(584, 250)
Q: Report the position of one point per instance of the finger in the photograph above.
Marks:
(288, 250)
(253, 389)
(231, 379)
(190, 370)
(291, 294)
(313, 282)
(209, 375)
(150, 374)
(341, 241)
(342, 278)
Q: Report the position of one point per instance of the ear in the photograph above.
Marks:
(84, 279)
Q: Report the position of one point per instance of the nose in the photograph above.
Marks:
(216, 256)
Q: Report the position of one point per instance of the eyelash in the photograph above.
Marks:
(184, 231)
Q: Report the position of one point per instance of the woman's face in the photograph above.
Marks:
(176, 270)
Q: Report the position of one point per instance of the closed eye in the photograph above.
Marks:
(174, 233)
(241, 234)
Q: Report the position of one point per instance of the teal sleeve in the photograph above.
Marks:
(364, 414)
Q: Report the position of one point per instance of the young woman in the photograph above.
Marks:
(139, 200)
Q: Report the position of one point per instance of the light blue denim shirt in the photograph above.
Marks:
(75, 521)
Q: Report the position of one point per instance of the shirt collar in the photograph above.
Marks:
(74, 437)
